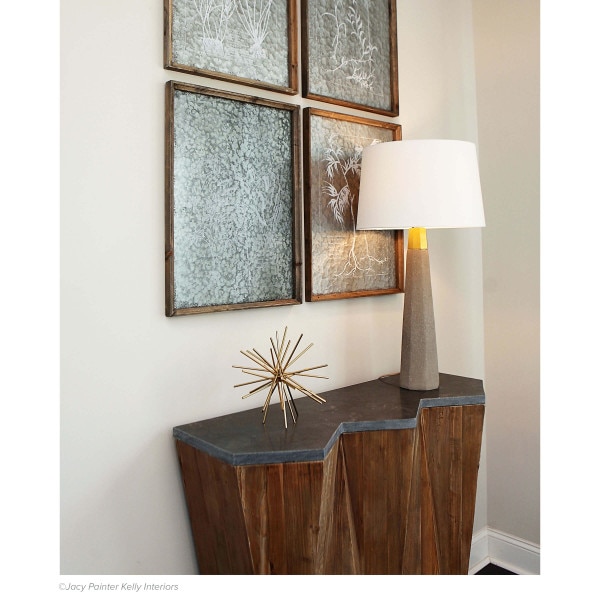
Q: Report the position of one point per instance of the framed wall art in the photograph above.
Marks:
(349, 53)
(342, 262)
(254, 42)
(232, 209)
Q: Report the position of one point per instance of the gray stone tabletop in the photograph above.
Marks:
(242, 439)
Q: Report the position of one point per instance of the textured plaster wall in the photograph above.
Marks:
(128, 373)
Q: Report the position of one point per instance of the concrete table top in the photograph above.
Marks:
(242, 439)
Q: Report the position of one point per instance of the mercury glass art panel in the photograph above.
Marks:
(349, 53)
(246, 41)
(342, 262)
(232, 222)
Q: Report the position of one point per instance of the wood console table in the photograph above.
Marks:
(379, 480)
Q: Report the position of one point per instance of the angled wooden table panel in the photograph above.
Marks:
(379, 480)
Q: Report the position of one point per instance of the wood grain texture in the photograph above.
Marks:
(382, 502)
(450, 442)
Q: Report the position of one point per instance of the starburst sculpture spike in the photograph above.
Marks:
(282, 339)
(274, 374)
(254, 374)
(258, 389)
(269, 366)
(302, 372)
(251, 382)
(257, 360)
(286, 351)
(292, 354)
(268, 400)
(299, 355)
(290, 401)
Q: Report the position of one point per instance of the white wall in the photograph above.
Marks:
(507, 72)
(437, 100)
(129, 374)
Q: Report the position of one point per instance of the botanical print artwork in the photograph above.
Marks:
(344, 260)
(349, 56)
(357, 58)
(233, 202)
(243, 38)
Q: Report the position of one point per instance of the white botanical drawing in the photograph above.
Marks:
(352, 50)
(214, 18)
(243, 38)
(342, 170)
(255, 20)
(339, 26)
(348, 53)
(344, 261)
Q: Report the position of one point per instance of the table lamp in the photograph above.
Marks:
(417, 185)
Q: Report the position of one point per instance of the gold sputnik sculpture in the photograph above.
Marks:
(275, 375)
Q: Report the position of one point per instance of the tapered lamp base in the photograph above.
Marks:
(419, 362)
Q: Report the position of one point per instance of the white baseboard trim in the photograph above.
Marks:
(480, 554)
(507, 551)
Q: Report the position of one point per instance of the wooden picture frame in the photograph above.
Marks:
(349, 54)
(232, 210)
(252, 42)
(341, 262)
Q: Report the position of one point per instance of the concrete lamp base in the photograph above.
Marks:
(419, 363)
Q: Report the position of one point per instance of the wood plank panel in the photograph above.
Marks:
(411, 556)
(379, 468)
(440, 431)
(341, 555)
(353, 452)
(302, 503)
(472, 433)
(215, 512)
(326, 515)
(400, 461)
(450, 459)
(252, 485)
(283, 506)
